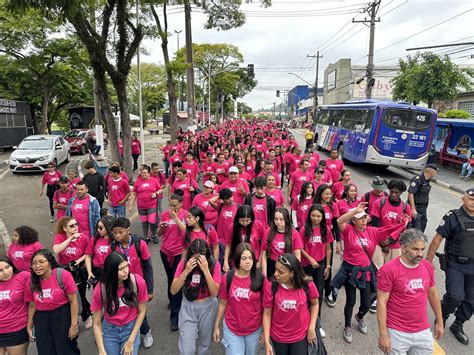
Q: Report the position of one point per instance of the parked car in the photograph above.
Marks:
(77, 140)
(35, 153)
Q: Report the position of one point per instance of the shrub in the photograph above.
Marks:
(457, 114)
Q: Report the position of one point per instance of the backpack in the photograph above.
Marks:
(230, 277)
(382, 203)
(135, 241)
(367, 196)
(59, 279)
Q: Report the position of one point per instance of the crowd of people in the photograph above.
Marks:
(247, 245)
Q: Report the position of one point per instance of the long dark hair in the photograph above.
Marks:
(308, 226)
(303, 192)
(35, 285)
(300, 280)
(319, 192)
(288, 231)
(197, 213)
(110, 281)
(108, 222)
(7, 260)
(243, 211)
(198, 246)
(256, 275)
(27, 235)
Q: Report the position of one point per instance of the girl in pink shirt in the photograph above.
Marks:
(349, 199)
(199, 276)
(136, 151)
(290, 309)
(121, 299)
(338, 187)
(241, 303)
(300, 205)
(197, 229)
(281, 238)
(13, 308)
(98, 248)
(274, 192)
(207, 202)
(24, 245)
(51, 179)
(52, 309)
(186, 184)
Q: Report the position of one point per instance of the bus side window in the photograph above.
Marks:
(369, 116)
(349, 119)
(332, 117)
(325, 117)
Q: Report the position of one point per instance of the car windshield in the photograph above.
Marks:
(75, 134)
(36, 144)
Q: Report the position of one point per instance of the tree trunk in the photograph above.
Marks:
(120, 85)
(189, 62)
(171, 92)
(44, 106)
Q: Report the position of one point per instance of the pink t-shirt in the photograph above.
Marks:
(338, 189)
(331, 213)
(210, 237)
(125, 314)
(196, 278)
(192, 169)
(99, 251)
(243, 314)
(62, 198)
(136, 146)
(277, 247)
(172, 243)
(234, 187)
(335, 167)
(210, 213)
(21, 255)
(290, 313)
(277, 195)
(344, 206)
(298, 178)
(185, 185)
(256, 235)
(314, 246)
(73, 251)
(220, 170)
(117, 190)
(408, 288)
(134, 261)
(53, 296)
(13, 308)
(389, 215)
(302, 210)
(259, 206)
(373, 198)
(225, 222)
(80, 212)
(294, 161)
(51, 178)
(144, 189)
(206, 167)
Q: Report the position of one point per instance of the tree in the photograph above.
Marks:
(429, 77)
(243, 109)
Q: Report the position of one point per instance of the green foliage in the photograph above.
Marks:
(457, 114)
(429, 77)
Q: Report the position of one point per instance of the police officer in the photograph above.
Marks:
(418, 196)
(457, 227)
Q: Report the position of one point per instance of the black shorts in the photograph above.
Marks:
(15, 338)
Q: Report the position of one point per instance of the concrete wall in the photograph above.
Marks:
(343, 76)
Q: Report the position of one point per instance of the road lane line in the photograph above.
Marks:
(4, 173)
(449, 191)
(79, 169)
(6, 237)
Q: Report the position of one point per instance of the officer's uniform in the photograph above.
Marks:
(457, 227)
(420, 188)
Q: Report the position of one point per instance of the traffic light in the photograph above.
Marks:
(250, 70)
(278, 93)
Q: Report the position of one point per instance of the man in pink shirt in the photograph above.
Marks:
(297, 179)
(221, 168)
(269, 169)
(191, 166)
(239, 188)
(405, 284)
(334, 165)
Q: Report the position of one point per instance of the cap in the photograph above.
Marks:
(64, 179)
(233, 169)
(432, 166)
(360, 214)
(470, 191)
(209, 183)
(378, 182)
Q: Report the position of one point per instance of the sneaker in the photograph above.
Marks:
(373, 307)
(348, 334)
(155, 239)
(322, 332)
(330, 300)
(147, 340)
(51, 220)
(88, 323)
(174, 327)
(467, 177)
(361, 325)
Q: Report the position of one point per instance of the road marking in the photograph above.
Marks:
(6, 237)
(4, 173)
(79, 169)
(449, 191)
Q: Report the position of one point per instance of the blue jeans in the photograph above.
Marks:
(118, 211)
(116, 336)
(466, 167)
(240, 345)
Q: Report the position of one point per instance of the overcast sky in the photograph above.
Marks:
(277, 39)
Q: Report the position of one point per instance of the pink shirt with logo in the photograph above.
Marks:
(373, 198)
(172, 243)
(125, 314)
(210, 213)
(206, 167)
(234, 187)
(144, 189)
(221, 170)
(13, 308)
(196, 278)
(73, 251)
(210, 236)
(62, 198)
(244, 310)
(98, 249)
(344, 206)
(331, 212)
(338, 189)
(259, 206)
(290, 312)
(192, 169)
(256, 236)
(21, 255)
(80, 212)
(302, 209)
(408, 288)
(51, 178)
(389, 215)
(298, 178)
(335, 167)
(277, 247)
(225, 222)
(136, 147)
(185, 185)
(52, 296)
(314, 245)
(134, 261)
(277, 195)
(117, 190)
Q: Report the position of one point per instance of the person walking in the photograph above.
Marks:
(119, 306)
(301, 204)
(207, 201)
(407, 283)
(95, 182)
(189, 186)
(136, 151)
(263, 205)
(456, 228)
(98, 248)
(118, 191)
(24, 244)
(84, 208)
(418, 196)
(62, 196)
(50, 179)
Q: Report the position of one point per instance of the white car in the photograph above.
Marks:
(35, 153)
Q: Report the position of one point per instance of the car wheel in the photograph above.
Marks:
(55, 161)
(83, 149)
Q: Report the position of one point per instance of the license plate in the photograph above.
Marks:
(27, 166)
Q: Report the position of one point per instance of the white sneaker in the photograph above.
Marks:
(147, 340)
(88, 323)
(322, 332)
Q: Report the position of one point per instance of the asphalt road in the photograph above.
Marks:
(21, 205)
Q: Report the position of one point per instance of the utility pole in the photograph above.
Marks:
(189, 62)
(315, 89)
(180, 86)
(274, 110)
(139, 77)
(371, 10)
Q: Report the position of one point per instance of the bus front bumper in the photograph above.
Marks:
(374, 157)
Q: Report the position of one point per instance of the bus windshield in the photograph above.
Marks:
(406, 119)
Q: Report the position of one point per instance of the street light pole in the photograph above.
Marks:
(140, 107)
(180, 85)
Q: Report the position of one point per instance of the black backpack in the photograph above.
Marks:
(230, 277)
(382, 203)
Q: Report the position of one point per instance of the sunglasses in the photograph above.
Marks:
(73, 225)
(284, 261)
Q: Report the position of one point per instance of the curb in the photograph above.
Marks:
(3, 162)
(440, 182)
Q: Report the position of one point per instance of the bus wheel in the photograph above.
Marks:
(340, 152)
